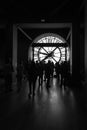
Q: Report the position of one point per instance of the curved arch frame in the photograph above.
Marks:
(48, 35)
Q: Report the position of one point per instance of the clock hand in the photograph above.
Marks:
(48, 55)
(43, 53)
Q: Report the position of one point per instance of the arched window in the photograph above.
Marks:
(50, 46)
(49, 38)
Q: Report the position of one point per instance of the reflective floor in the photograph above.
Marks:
(56, 109)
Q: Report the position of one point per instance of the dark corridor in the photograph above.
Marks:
(61, 104)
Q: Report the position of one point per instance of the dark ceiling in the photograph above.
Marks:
(24, 9)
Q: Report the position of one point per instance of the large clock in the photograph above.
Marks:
(50, 53)
(53, 53)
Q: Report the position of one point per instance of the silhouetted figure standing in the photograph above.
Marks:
(48, 73)
(66, 73)
(57, 68)
(62, 73)
(40, 72)
(32, 76)
(19, 76)
(51, 69)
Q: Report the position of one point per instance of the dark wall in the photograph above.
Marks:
(2, 44)
(6, 43)
(23, 47)
(78, 45)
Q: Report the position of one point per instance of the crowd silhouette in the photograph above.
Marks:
(39, 71)
(44, 71)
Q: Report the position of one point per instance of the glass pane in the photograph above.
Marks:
(50, 53)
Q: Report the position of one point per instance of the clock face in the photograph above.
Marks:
(50, 53)
(55, 54)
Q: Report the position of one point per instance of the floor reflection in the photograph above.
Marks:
(53, 109)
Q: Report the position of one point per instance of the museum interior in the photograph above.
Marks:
(43, 65)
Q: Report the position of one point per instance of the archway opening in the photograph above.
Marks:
(50, 46)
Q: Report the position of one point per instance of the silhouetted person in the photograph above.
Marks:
(57, 68)
(48, 73)
(32, 76)
(40, 73)
(51, 69)
(62, 73)
(67, 75)
(19, 76)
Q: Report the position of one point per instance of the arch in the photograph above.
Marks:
(44, 50)
(49, 36)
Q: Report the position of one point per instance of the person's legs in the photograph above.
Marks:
(34, 86)
(30, 85)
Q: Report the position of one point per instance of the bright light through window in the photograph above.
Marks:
(55, 54)
(50, 39)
